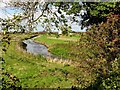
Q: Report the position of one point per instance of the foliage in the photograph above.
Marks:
(97, 12)
(106, 36)
(94, 12)
(9, 81)
(99, 48)
(65, 30)
(12, 24)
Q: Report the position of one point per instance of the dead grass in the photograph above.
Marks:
(63, 38)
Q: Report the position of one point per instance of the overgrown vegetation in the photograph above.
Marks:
(22, 69)
(100, 48)
(106, 37)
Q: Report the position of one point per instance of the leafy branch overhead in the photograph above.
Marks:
(34, 12)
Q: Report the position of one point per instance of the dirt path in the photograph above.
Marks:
(62, 38)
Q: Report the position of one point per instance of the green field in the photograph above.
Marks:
(52, 40)
(64, 46)
(36, 71)
(61, 46)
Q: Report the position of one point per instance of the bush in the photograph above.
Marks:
(104, 41)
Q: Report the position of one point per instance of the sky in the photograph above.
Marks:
(6, 12)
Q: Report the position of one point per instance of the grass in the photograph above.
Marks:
(0, 60)
(52, 40)
(64, 46)
(36, 71)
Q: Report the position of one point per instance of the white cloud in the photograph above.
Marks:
(2, 5)
(5, 0)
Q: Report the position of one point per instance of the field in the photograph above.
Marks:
(60, 46)
(36, 71)
(90, 68)
(51, 40)
(64, 46)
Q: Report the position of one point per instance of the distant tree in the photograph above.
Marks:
(65, 30)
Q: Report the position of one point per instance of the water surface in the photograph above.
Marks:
(36, 48)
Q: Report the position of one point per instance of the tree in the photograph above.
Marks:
(96, 12)
(29, 10)
(12, 24)
(103, 41)
(93, 12)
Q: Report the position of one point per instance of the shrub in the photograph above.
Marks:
(105, 38)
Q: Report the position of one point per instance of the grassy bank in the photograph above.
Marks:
(52, 39)
(36, 71)
(64, 46)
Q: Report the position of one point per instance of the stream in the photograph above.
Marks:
(37, 48)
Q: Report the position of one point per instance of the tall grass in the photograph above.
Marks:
(36, 71)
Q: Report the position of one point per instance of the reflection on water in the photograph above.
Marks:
(36, 48)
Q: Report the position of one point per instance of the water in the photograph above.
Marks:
(35, 48)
